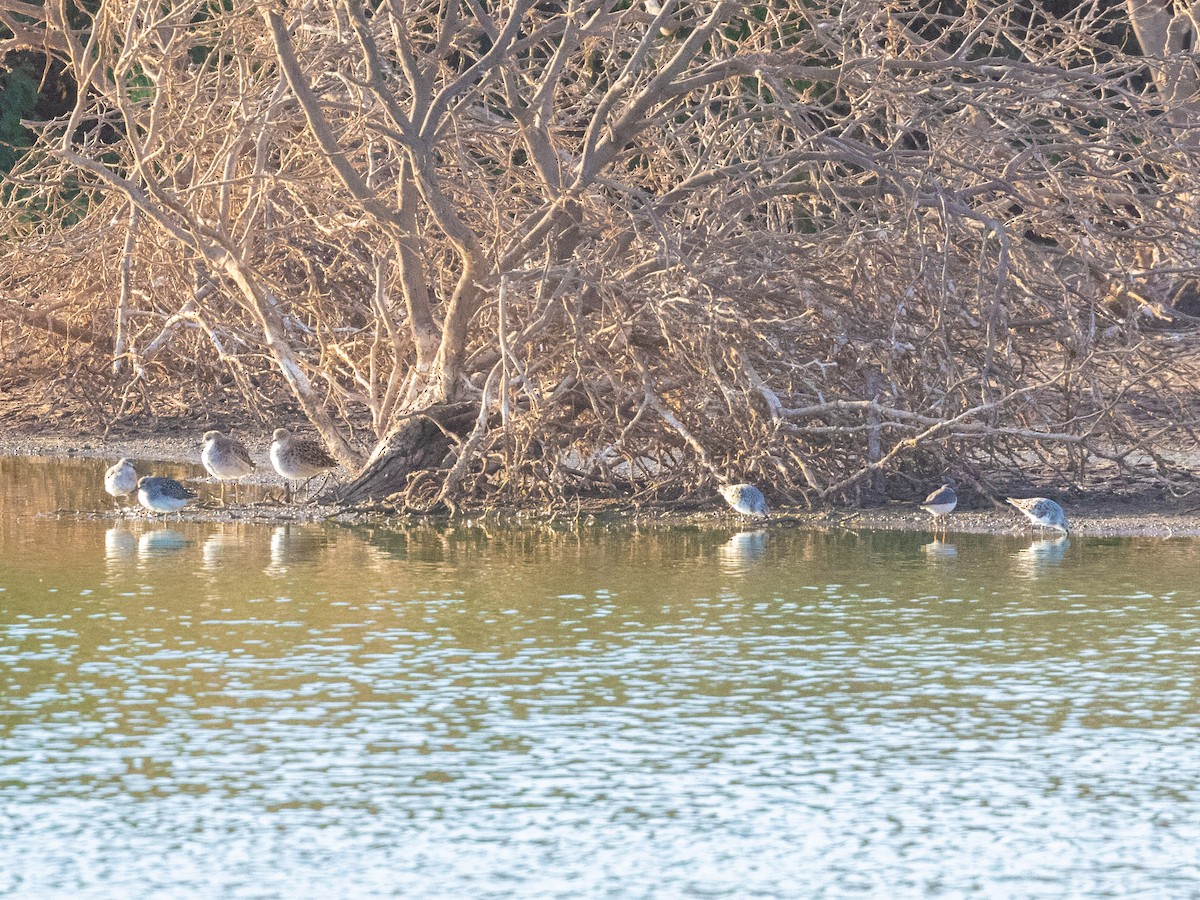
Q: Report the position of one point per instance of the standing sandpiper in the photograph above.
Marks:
(746, 499)
(226, 459)
(163, 495)
(298, 457)
(940, 504)
(121, 480)
(1042, 513)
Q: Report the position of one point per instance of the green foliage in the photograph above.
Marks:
(18, 100)
(141, 87)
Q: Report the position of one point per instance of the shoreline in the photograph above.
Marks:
(1092, 516)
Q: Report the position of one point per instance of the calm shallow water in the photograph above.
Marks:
(253, 711)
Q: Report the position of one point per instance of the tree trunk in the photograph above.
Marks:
(420, 440)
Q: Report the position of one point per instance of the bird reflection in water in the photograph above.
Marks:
(939, 551)
(217, 546)
(293, 544)
(160, 542)
(1042, 554)
(742, 550)
(120, 546)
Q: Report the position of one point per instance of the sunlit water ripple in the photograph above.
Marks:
(203, 710)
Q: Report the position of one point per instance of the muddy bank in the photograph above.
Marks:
(181, 447)
(1090, 515)
(1092, 518)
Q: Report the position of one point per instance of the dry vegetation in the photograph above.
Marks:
(527, 252)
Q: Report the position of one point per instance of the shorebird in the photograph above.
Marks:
(940, 504)
(163, 495)
(120, 480)
(1042, 512)
(746, 499)
(226, 459)
(298, 457)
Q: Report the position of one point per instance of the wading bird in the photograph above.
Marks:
(121, 479)
(1042, 513)
(940, 504)
(746, 499)
(298, 458)
(226, 460)
(163, 495)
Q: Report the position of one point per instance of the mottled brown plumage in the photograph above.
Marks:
(298, 457)
(226, 459)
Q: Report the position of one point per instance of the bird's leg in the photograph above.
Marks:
(324, 483)
(308, 495)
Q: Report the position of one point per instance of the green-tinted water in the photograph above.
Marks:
(219, 710)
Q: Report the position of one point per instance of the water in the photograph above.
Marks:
(207, 710)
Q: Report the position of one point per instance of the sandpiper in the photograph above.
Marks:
(120, 480)
(163, 495)
(746, 499)
(940, 504)
(1042, 512)
(298, 457)
(226, 459)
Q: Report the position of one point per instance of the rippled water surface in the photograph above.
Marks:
(254, 711)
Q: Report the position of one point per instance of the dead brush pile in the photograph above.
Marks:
(540, 253)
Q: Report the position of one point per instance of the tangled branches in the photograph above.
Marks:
(523, 252)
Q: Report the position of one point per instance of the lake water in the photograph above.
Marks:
(207, 710)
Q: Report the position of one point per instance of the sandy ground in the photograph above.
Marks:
(1094, 516)
(174, 448)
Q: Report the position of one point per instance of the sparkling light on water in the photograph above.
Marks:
(206, 710)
